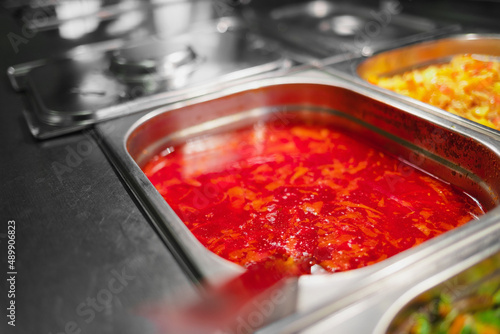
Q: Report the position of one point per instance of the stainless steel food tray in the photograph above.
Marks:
(399, 58)
(327, 28)
(110, 79)
(465, 285)
(450, 151)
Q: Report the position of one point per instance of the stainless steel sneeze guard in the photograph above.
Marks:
(463, 157)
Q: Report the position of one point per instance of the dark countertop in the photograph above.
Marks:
(80, 238)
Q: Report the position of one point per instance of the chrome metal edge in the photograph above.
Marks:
(478, 254)
(377, 299)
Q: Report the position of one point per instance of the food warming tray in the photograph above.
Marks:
(94, 82)
(455, 153)
(327, 29)
(398, 58)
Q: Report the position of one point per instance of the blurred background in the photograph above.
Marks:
(83, 21)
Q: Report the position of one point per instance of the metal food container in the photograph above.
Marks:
(460, 288)
(105, 80)
(440, 50)
(325, 29)
(456, 154)
(398, 59)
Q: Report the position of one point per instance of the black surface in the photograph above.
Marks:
(76, 226)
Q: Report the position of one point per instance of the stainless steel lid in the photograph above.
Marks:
(110, 79)
(153, 61)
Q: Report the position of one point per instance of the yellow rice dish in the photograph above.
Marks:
(465, 86)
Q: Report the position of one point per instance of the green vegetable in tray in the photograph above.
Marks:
(475, 312)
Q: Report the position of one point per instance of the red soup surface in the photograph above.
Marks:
(303, 193)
